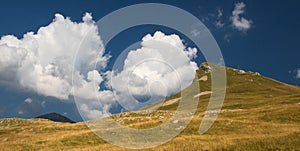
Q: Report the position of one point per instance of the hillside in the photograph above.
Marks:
(258, 113)
(55, 117)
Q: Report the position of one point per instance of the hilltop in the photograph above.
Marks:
(258, 113)
(55, 117)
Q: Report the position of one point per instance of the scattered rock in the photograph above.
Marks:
(257, 74)
(190, 113)
(211, 113)
(121, 122)
(205, 115)
(229, 122)
(205, 68)
(204, 78)
(5, 139)
(241, 72)
(175, 121)
(179, 128)
(202, 93)
(171, 101)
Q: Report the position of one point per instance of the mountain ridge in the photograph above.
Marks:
(55, 117)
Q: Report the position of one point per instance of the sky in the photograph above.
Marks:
(39, 40)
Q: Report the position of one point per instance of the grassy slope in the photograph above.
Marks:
(258, 114)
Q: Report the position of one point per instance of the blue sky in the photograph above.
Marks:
(269, 46)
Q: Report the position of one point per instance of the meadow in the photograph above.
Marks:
(258, 113)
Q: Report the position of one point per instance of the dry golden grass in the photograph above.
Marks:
(258, 114)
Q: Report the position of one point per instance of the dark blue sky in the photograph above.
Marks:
(270, 46)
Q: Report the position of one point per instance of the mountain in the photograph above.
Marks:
(55, 117)
(243, 89)
(258, 113)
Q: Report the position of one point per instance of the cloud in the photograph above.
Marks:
(91, 113)
(220, 13)
(66, 59)
(161, 67)
(298, 74)
(43, 104)
(195, 32)
(30, 107)
(28, 100)
(238, 22)
(227, 37)
(43, 62)
(218, 23)
(191, 53)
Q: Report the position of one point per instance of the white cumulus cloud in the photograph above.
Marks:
(161, 67)
(238, 21)
(46, 61)
(43, 61)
